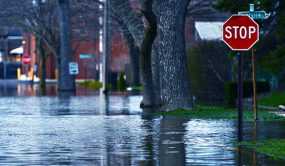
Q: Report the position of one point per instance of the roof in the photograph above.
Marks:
(209, 30)
(19, 50)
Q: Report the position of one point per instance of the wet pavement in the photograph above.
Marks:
(89, 129)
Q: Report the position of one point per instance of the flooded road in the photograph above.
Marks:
(112, 131)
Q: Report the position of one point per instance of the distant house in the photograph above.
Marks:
(10, 52)
(203, 22)
(210, 31)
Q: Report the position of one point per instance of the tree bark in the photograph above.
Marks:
(175, 87)
(66, 81)
(146, 52)
(43, 75)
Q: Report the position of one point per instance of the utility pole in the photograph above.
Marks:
(66, 81)
(105, 45)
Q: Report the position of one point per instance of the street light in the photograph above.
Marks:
(104, 44)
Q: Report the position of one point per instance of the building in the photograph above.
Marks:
(203, 22)
(10, 52)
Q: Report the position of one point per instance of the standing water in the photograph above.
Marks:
(89, 129)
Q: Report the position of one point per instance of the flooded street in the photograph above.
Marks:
(112, 131)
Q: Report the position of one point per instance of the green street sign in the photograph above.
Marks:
(256, 15)
(86, 56)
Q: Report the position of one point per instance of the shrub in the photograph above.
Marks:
(121, 83)
(274, 99)
(207, 73)
(231, 90)
(95, 85)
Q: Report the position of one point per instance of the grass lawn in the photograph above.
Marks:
(94, 85)
(206, 112)
(274, 148)
(137, 88)
(274, 99)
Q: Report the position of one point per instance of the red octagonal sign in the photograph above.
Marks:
(240, 32)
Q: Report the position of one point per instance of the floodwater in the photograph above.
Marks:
(89, 129)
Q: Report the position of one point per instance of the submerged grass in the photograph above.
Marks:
(274, 148)
(207, 112)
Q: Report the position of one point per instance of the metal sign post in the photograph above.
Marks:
(256, 15)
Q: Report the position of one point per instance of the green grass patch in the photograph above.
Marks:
(121, 83)
(207, 112)
(274, 148)
(274, 99)
(137, 88)
(94, 85)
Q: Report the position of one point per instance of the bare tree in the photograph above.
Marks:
(146, 52)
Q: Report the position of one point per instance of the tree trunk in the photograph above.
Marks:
(146, 52)
(43, 70)
(134, 53)
(66, 81)
(144, 38)
(42, 66)
(175, 86)
(155, 66)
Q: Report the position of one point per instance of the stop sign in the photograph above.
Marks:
(26, 60)
(240, 32)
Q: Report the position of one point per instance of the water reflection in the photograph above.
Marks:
(171, 141)
(17, 88)
(260, 131)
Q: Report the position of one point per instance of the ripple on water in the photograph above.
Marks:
(95, 131)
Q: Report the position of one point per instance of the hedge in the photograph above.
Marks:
(231, 90)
